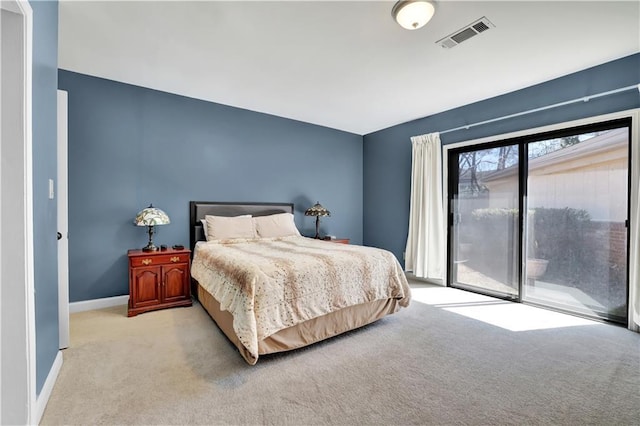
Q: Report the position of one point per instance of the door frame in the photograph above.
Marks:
(451, 185)
(18, 356)
(63, 221)
(634, 201)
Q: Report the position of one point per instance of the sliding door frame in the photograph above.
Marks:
(521, 138)
(452, 184)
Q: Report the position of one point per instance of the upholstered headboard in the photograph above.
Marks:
(199, 209)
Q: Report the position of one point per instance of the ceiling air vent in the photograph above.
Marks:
(475, 28)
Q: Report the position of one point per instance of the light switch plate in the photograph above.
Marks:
(51, 190)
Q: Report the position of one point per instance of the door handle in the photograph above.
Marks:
(59, 236)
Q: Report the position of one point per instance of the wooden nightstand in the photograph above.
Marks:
(158, 279)
(339, 240)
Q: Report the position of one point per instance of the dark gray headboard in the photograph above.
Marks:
(199, 209)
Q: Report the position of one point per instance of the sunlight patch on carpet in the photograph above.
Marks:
(508, 315)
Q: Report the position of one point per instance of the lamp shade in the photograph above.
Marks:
(317, 210)
(151, 216)
(413, 14)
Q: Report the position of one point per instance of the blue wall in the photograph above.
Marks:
(130, 146)
(387, 153)
(44, 116)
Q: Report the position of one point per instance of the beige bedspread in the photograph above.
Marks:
(270, 284)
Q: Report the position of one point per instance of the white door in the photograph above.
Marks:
(63, 237)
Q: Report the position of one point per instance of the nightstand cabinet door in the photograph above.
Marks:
(175, 282)
(145, 288)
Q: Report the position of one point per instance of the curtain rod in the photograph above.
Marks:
(518, 114)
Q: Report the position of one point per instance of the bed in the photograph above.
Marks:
(275, 290)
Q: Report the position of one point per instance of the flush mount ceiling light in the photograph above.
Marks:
(413, 14)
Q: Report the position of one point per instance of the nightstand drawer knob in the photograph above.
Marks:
(175, 259)
(146, 261)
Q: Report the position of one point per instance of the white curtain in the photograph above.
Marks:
(425, 252)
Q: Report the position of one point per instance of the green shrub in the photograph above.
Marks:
(558, 235)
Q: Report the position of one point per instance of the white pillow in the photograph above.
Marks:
(223, 228)
(275, 225)
(204, 228)
(204, 225)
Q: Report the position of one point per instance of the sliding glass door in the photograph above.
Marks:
(569, 250)
(576, 231)
(484, 221)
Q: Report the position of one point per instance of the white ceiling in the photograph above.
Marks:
(344, 65)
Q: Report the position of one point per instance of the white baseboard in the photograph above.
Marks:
(47, 388)
(90, 305)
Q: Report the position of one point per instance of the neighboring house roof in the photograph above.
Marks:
(609, 146)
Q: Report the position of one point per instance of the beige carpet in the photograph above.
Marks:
(423, 365)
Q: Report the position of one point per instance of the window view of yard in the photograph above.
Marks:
(575, 238)
(486, 225)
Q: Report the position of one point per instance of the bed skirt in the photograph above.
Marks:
(306, 333)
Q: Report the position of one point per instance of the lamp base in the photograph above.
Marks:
(150, 246)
